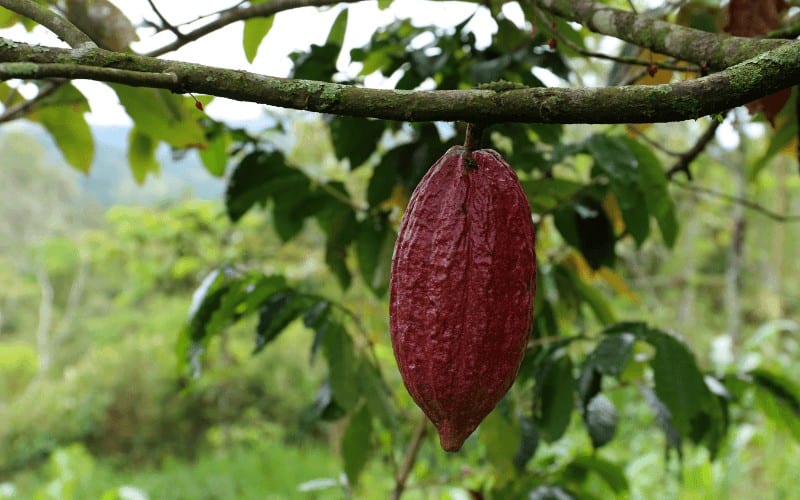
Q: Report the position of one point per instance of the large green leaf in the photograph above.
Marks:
(601, 419)
(142, 154)
(500, 436)
(338, 29)
(61, 114)
(255, 29)
(164, 116)
(355, 138)
(357, 443)
(585, 225)
(374, 247)
(343, 365)
(257, 178)
(554, 396)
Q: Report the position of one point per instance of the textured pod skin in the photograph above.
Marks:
(462, 288)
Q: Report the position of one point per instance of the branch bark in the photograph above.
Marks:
(688, 44)
(50, 20)
(739, 84)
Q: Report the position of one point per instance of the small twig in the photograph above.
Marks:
(739, 200)
(632, 61)
(75, 71)
(686, 159)
(50, 20)
(164, 21)
(239, 13)
(652, 142)
(410, 457)
(18, 110)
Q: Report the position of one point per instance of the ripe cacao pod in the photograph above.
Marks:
(462, 289)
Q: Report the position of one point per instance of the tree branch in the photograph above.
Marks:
(50, 20)
(410, 457)
(686, 159)
(739, 84)
(738, 201)
(238, 13)
(688, 44)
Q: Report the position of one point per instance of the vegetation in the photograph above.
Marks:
(239, 347)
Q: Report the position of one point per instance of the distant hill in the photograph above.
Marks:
(110, 181)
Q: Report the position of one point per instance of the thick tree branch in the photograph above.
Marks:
(687, 44)
(685, 100)
(238, 13)
(50, 20)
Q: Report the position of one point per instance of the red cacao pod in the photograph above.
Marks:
(462, 289)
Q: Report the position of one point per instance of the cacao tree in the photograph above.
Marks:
(549, 70)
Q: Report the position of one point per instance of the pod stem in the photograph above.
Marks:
(474, 137)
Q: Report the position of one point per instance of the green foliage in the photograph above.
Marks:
(294, 267)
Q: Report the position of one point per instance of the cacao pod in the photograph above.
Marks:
(462, 289)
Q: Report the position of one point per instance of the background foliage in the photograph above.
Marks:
(663, 355)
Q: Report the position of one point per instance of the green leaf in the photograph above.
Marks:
(357, 443)
(343, 365)
(528, 442)
(338, 29)
(142, 155)
(355, 138)
(338, 221)
(612, 354)
(554, 397)
(384, 4)
(275, 314)
(586, 226)
(501, 438)
(653, 183)
(382, 182)
(546, 194)
(779, 399)
(61, 114)
(601, 420)
(663, 418)
(376, 394)
(163, 115)
(374, 248)
(318, 64)
(678, 381)
(215, 155)
(255, 179)
(612, 474)
(255, 29)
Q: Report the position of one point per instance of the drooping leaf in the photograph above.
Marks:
(586, 226)
(61, 114)
(142, 155)
(611, 473)
(255, 30)
(601, 420)
(612, 354)
(343, 365)
(338, 29)
(165, 116)
(215, 154)
(355, 138)
(663, 418)
(319, 63)
(338, 221)
(528, 442)
(376, 395)
(500, 436)
(357, 443)
(374, 247)
(554, 394)
(256, 179)
(275, 314)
